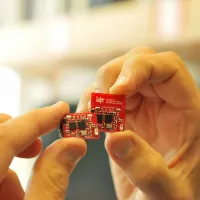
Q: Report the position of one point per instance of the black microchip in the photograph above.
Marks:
(82, 125)
(99, 118)
(72, 126)
(108, 118)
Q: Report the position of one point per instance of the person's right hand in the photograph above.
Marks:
(158, 157)
(50, 174)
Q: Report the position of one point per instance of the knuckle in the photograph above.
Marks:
(151, 173)
(174, 56)
(156, 165)
(33, 121)
(109, 67)
(141, 50)
(136, 60)
(57, 180)
(105, 69)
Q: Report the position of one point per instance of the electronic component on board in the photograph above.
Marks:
(72, 126)
(82, 125)
(109, 110)
(108, 118)
(99, 118)
(107, 115)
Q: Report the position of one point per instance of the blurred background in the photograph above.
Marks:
(50, 51)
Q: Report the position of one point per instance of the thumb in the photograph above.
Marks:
(50, 176)
(144, 167)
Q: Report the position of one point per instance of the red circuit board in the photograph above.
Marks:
(82, 125)
(110, 111)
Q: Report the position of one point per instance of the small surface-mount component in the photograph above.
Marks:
(83, 133)
(110, 111)
(99, 118)
(82, 125)
(109, 126)
(108, 118)
(72, 126)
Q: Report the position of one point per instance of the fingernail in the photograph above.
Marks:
(97, 90)
(122, 148)
(58, 104)
(120, 80)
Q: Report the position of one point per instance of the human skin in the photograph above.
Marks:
(157, 157)
(50, 174)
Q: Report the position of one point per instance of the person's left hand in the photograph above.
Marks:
(50, 175)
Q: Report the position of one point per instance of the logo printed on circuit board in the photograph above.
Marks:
(100, 99)
(114, 101)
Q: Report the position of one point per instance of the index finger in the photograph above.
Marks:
(108, 73)
(19, 133)
(166, 72)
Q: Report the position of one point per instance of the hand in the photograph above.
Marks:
(50, 176)
(158, 158)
